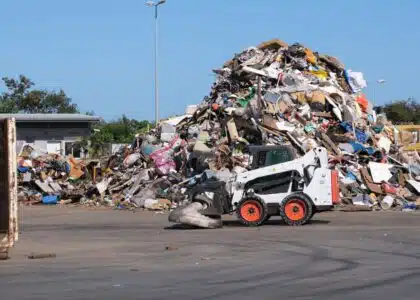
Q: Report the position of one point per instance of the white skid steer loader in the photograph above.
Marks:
(294, 189)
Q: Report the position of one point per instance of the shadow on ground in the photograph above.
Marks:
(278, 222)
(236, 223)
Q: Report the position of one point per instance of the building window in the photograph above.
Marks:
(54, 147)
(73, 148)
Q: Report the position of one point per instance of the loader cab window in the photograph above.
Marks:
(277, 157)
(265, 158)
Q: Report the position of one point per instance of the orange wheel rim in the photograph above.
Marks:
(251, 211)
(295, 210)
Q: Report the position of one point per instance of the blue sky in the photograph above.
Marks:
(101, 52)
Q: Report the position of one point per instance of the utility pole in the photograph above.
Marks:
(378, 82)
(156, 5)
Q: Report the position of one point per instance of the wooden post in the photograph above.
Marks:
(8, 187)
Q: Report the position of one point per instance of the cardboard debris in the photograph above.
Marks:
(75, 168)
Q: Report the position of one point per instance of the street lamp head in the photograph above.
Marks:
(153, 3)
(381, 81)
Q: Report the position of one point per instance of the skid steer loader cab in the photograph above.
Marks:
(264, 156)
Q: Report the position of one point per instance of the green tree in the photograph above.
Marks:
(21, 98)
(121, 131)
(124, 129)
(403, 111)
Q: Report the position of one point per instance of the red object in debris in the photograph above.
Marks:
(363, 102)
(389, 189)
(325, 124)
(215, 106)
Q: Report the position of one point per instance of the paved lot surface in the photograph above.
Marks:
(104, 254)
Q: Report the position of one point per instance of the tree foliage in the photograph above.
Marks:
(403, 111)
(120, 131)
(20, 97)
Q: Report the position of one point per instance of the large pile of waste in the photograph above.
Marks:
(266, 95)
(122, 180)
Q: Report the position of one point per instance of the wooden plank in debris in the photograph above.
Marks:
(326, 139)
(326, 115)
(56, 187)
(375, 188)
(269, 122)
(295, 142)
(44, 187)
(233, 132)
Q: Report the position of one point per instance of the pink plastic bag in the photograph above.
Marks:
(163, 157)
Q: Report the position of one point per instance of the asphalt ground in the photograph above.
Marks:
(108, 254)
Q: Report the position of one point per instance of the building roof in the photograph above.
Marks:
(51, 117)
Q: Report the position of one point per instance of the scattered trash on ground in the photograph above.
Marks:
(41, 255)
(170, 248)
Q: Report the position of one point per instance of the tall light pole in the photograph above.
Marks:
(156, 4)
(379, 82)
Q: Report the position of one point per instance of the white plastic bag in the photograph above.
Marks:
(131, 159)
(356, 81)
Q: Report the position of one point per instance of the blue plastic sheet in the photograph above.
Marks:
(359, 147)
(23, 169)
(361, 136)
(350, 175)
(148, 149)
(68, 167)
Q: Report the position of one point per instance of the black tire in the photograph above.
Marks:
(313, 212)
(296, 209)
(267, 218)
(255, 211)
